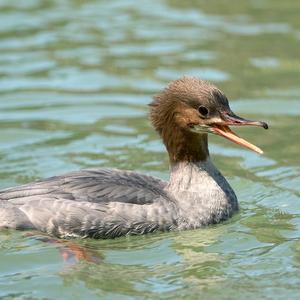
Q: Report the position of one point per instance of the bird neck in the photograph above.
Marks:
(194, 176)
(185, 146)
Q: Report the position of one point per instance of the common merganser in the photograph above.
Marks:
(107, 203)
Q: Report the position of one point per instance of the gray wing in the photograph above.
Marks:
(90, 203)
(98, 185)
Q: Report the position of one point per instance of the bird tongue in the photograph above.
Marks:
(226, 132)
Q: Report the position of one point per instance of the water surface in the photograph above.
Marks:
(75, 78)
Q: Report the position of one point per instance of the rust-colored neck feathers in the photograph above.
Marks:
(171, 118)
(183, 145)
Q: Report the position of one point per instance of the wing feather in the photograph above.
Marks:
(96, 185)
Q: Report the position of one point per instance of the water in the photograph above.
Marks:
(75, 78)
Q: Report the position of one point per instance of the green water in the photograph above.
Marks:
(75, 78)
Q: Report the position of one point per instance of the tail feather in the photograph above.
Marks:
(12, 217)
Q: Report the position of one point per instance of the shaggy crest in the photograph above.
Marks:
(186, 90)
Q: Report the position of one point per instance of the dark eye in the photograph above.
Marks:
(203, 111)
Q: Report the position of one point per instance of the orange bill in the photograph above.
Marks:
(226, 132)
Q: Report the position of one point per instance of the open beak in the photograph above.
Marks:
(222, 128)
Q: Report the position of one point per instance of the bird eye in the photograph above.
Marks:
(203, 110)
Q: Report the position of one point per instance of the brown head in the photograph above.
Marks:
(186, 111)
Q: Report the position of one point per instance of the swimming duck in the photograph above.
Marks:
(107, 203)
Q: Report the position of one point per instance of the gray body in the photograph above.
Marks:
(107, 203)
